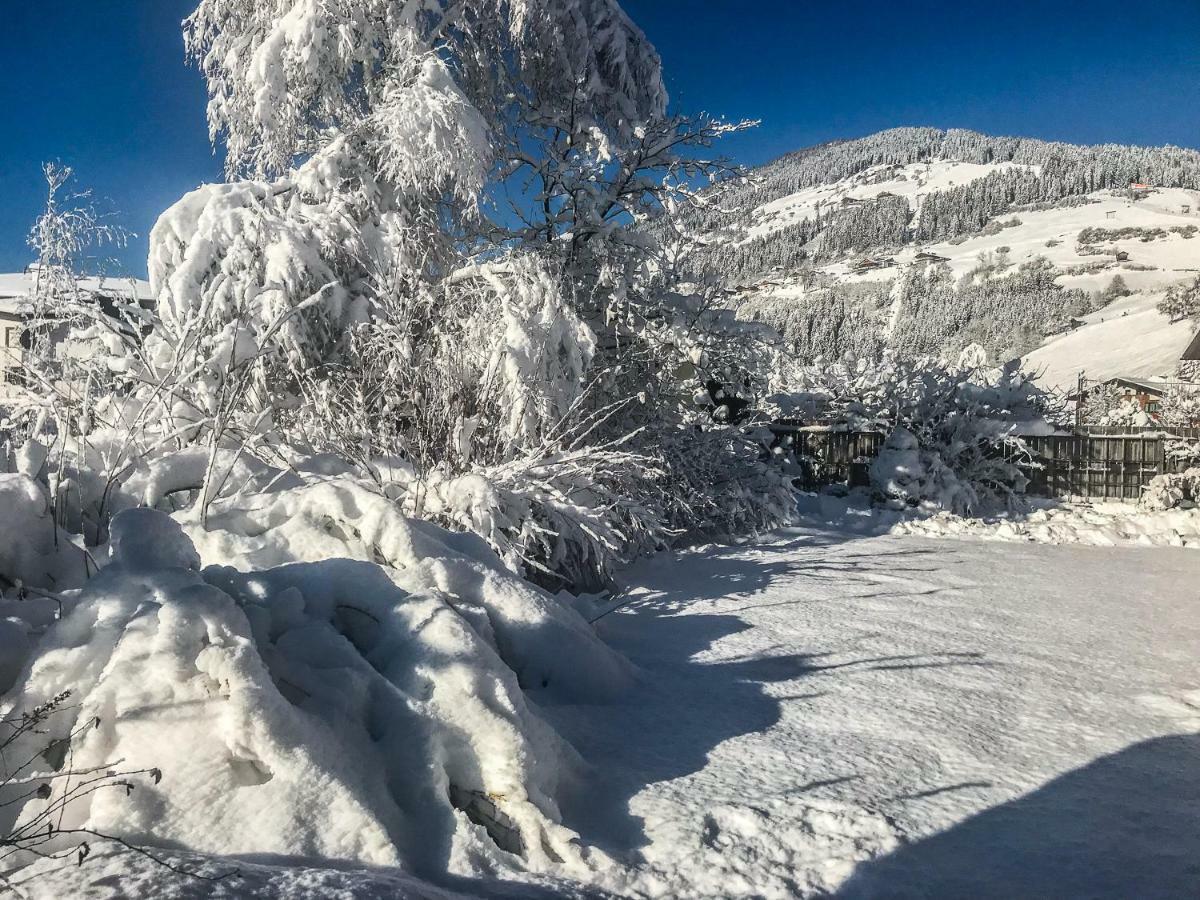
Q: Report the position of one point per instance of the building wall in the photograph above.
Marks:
(11, 353)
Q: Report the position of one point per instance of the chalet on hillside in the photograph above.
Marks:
(1147, 392)
(927, 258)
(870, 263)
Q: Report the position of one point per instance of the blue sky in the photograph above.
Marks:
(102, 86)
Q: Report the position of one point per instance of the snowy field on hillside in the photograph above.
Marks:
(913, 182)
(822, 713)
(1129, 337)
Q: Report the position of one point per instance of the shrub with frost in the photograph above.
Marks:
(1172, 490)
(1181, 301)
(906, 474)
(1108, 404)
(954, 431)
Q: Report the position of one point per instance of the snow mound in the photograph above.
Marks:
(32, 548)
(354, 694)
(548, 645)
(1104, 524)
(116, 874)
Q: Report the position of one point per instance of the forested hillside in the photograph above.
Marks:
(925, 241)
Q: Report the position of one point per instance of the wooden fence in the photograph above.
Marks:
(830, 457)
(1097, 463)
(1099, 466)
(1188, 433)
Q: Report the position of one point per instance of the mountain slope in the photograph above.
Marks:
(924, 241)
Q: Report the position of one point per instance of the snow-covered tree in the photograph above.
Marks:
(952, 429)
(1181, 405)
(371, 129)
(359, 287)
(1181, 301)
(1108, 404)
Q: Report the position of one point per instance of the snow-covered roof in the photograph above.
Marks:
(1148, 385)
(16, 287)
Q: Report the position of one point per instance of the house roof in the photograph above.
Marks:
(1143, 384)
(15, 289)
(1193, 349)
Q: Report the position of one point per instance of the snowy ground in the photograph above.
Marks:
(860, 716)
(968, 718)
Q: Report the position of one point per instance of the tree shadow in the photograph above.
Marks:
(685, 706)
(1125, 825)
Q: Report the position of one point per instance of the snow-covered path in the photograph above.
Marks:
(964, 718)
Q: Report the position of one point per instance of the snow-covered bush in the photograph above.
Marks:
(345, 684)
(1172, 490)
(1181, 405)
(1108, 404)
(953, 429)
(908, 475)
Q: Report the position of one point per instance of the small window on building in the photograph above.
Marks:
(12, 337)
(1153, 406)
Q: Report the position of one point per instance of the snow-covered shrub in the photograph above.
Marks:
(718, 484)
(966, 422)
(33, 549)
(491, 365)
(347, 684)
(1172, 490)
(1108, 404)
(1181, 405)
(908, 475)
(565, 521)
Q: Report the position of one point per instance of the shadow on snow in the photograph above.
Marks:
(683, 707)
(1125, 825)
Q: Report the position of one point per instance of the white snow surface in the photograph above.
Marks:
(1128, 338)
(913, 182)
(895, 716)
(1099, 524)
(16, 287)
(820, 713)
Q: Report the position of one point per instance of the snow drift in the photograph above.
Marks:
(349, 686)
